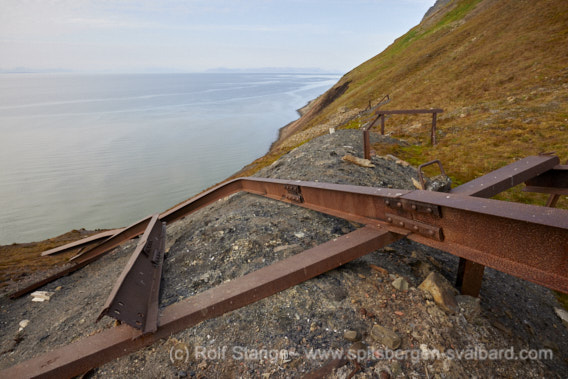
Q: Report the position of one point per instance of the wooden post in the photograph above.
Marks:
(383, 124)
(366, 144)
(433, 132)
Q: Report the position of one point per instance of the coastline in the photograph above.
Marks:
(20, 259)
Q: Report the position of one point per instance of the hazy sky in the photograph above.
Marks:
(194, 35)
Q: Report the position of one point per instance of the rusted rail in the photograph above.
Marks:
(81, 260)
(381, 117)
(134, 298)
(82, 242)
(470, 274)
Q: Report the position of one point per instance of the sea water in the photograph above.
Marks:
(103, 151)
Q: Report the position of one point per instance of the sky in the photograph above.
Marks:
(197, 35)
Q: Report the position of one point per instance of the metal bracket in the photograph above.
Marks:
(416, 227)
(294, 193)
(134, 298)
(414, 206)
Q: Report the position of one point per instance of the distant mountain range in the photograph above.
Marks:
(154, 70)
(271, 70)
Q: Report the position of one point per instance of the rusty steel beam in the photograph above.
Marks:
(433, 129)
(61, 272)
(470, 274)
(366, 145)
(123, 235)
(554, 181)
(82, 242)
(93, 351)
(81, 260)
(134, 298)
(526, 241)
(369, 205)
(409, 111)
(507, 177)
(469, 277)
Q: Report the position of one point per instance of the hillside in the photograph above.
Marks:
(498, 68)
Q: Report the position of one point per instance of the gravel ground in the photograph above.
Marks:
(275, 336)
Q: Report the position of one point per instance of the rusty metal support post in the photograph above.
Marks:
(470, 276)
(383, 124)
(366, 144)
(433, 131)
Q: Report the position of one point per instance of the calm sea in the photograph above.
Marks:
(103, 151)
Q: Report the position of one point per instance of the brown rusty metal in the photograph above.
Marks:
(410, 111)
(421, 174)
(433, 130)
(414, 206)
(81, 260)
(470, 277)
(507, 177)
(553, 198)
(368, 205)
(418, 227)
(490, 185)
(61, 272)
(554, 181)
(134, 298)
(95, 350)
(125, 234)
(523, 240)
(366, 144)
(82, 242)
(294, 193)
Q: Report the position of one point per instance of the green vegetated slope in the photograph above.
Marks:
(498, 68)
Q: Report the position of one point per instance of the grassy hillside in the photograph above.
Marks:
(499, 69)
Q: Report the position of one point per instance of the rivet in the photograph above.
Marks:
(399, 204)
(431, 232)
(401, 223)
(413, 207)
(389, 219)
(387, 202)
(415, 227)
(429, 210)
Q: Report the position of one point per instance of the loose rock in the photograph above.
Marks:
(386, 336)
(400, 284)
(437, 286)
(358, 161)
(23, 324)
(39, 296)
(352, 335)
(563, 314)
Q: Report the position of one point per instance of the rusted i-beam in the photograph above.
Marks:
(134, 298)
(508, 176)
(82, 242)
(535, 236)
(470, 274)
(81, 260)
(93, 351)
